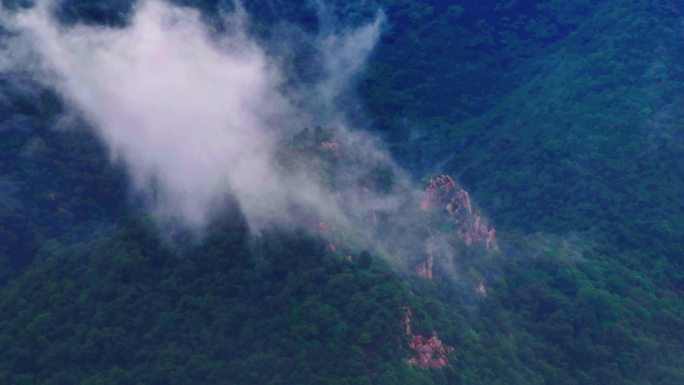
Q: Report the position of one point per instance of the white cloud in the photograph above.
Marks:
(193, 117)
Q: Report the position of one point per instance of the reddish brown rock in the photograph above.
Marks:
(460, 201)
(430, 353)
(476, 230)
(324, 226)
(326, 230)
(424, 269)
(439, 192)
(444, 193)
(407, 319)
(332, 147)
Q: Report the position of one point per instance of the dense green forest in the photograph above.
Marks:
(562, 119)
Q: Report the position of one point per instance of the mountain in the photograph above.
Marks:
(541, 244)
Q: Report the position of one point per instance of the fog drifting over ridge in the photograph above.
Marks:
(193, 117)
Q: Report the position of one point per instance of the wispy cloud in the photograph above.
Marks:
(199, 119)
(193, 116)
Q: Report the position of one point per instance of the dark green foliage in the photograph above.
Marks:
(43, 169)
(274, 309)
(560, 118)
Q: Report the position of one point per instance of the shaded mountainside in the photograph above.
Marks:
(585, 133)
(126, 310)
(44, 166)
(561, 120)
(580, 136)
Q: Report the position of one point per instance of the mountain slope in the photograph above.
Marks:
(561, 120)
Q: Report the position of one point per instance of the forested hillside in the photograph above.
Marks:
(560, 120)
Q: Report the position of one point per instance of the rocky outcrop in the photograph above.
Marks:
(429, 353)
(443, 193)
(372, 219)
(331, 147)
(406, 320)
(324, 229)
(439, 192)
(481, 289)
(424, 269)
(476, 230)
(460, 201)
(432, 353)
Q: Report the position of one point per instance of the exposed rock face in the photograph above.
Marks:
(460, 201)
(325, 229)
(476, 230)
(372, 219)
(406, 320)
(444, 193)
(424, 270)
(439, 192)
(430, 353)
(481, 289)
(332, 147)
(324, 226)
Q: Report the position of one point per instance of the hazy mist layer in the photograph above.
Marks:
(193, 117)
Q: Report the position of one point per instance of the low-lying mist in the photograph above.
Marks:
(200, 118)
(193, 116)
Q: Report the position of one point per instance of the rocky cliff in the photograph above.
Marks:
(443, 193)
(429, 353)
(385, 210)
(424, 269)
